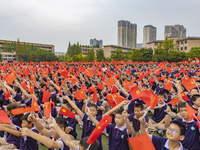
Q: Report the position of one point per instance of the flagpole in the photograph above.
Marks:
(147, 109)
(88, 147)
(196, 118)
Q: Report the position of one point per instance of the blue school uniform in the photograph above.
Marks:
(89, 126)
(158, 88)
(135, 122)
(159, 114)
(64, 147)
(99, 111)
(117, 137)
(132, 104)
(191, 140)
(161, 143)
(17, 97)
(1, 132)
(28, 143)
(71, 124)
(12, 139)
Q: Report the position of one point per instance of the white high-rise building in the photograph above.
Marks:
(177, 29)
(127, 34)
(149, 34)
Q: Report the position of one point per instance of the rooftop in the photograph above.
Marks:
(189, 38)
(156, 41)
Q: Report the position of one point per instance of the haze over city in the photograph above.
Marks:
(58, 22)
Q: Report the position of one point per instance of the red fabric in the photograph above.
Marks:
(190, 85)
(118, 98)
(103, 123)
(45, 97)
(65, 74)
(47, 107)
(7, 94)
(185, 79)
(65, 112)
(11, 78)
(114, 90)
(100, 86)
(74, 80)
(95, 98)
(168, 85)
(34, 104)
(141, 76)
(126, 86)
(184, 96)
(135, 91)
(190, 112)
(18, 111)
(32, 88)
(111, 100)
(23, 84)
(110, 82)
(60, 91)
(80, 94)
(174, 101)
(88, 73)
(141, 142)
(4, 118)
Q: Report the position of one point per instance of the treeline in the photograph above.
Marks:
(26, 52)
(74, 54)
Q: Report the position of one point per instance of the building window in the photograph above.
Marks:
(5, 55)
(186, 48)
(156, 44)
(9, 55)
(181, 48)
(173, 40)
(185, 41)
(181, 42)
(177, 43)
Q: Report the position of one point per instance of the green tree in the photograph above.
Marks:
(78, 57)
(167, 45)
(194, 52)
(176, 56)
(118, 55)
(100, 55)
(90, 56)
(96, 46)
(159, 55)
(147, 54)
(73, 49)
(136, 55)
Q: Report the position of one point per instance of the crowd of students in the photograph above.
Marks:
(169, 92)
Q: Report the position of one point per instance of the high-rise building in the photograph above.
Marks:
(127, 34)
(149, 34)
(177, 29)
(94, 42)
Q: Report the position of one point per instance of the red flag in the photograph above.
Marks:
(174, 101)
(135, 91)
(141, 142)
(95, 98)
(103, 123)
(35, 104)
(168, 85)
(23, 84)
(4, 78)
(45, 97)
(126, 86)
(154, 101)
(110, 82)
(88, 73)
(18, 111)
(190, 85)
(132, 81)
(91, 89)
(65, 74)
(145, 96)
(184, 96)
(111, 100)
(185, 79)
(11, 78)
(74, 80)
(32, 77)
(4, 118)
(80, 94)
(100, 86)
(190, 112)
(7, 95)
(61, 87)
(32, 88)
(141, 76)
(118, 98)
(65, 112)
(114, 90)
(196, 58)
(47, 107)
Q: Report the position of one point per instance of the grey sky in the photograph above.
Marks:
(59, 21)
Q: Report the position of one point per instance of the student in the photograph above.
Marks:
(158, 119)
(100, 107)
(1, 108)
(11, 140)
(191, 140)
(71, 123)
(175, 133)
(54, 143)
(196, 102)
(120, 130)
(26, 143)
(88, 126)
(83, 145)
(134, 117)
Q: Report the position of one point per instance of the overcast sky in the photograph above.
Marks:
(59, 21)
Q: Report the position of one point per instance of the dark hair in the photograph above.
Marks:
(165, 91)
(94, 146)
(153, 87)
(194, 97)
(17, 89)
(62, 123)
(44, 78)
(52, 85)
(14, 106)
(181, 105)
(25, 117)
(161, 81)
(175, 88)
(139, 105)
(181, 127)
(91, 93)
(93, 105)
(1, 102)
(144, 85)
(119, 111)
(161, 94)
(42, 85)
(67, 103)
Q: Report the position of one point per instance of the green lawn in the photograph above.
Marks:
(104, 138)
